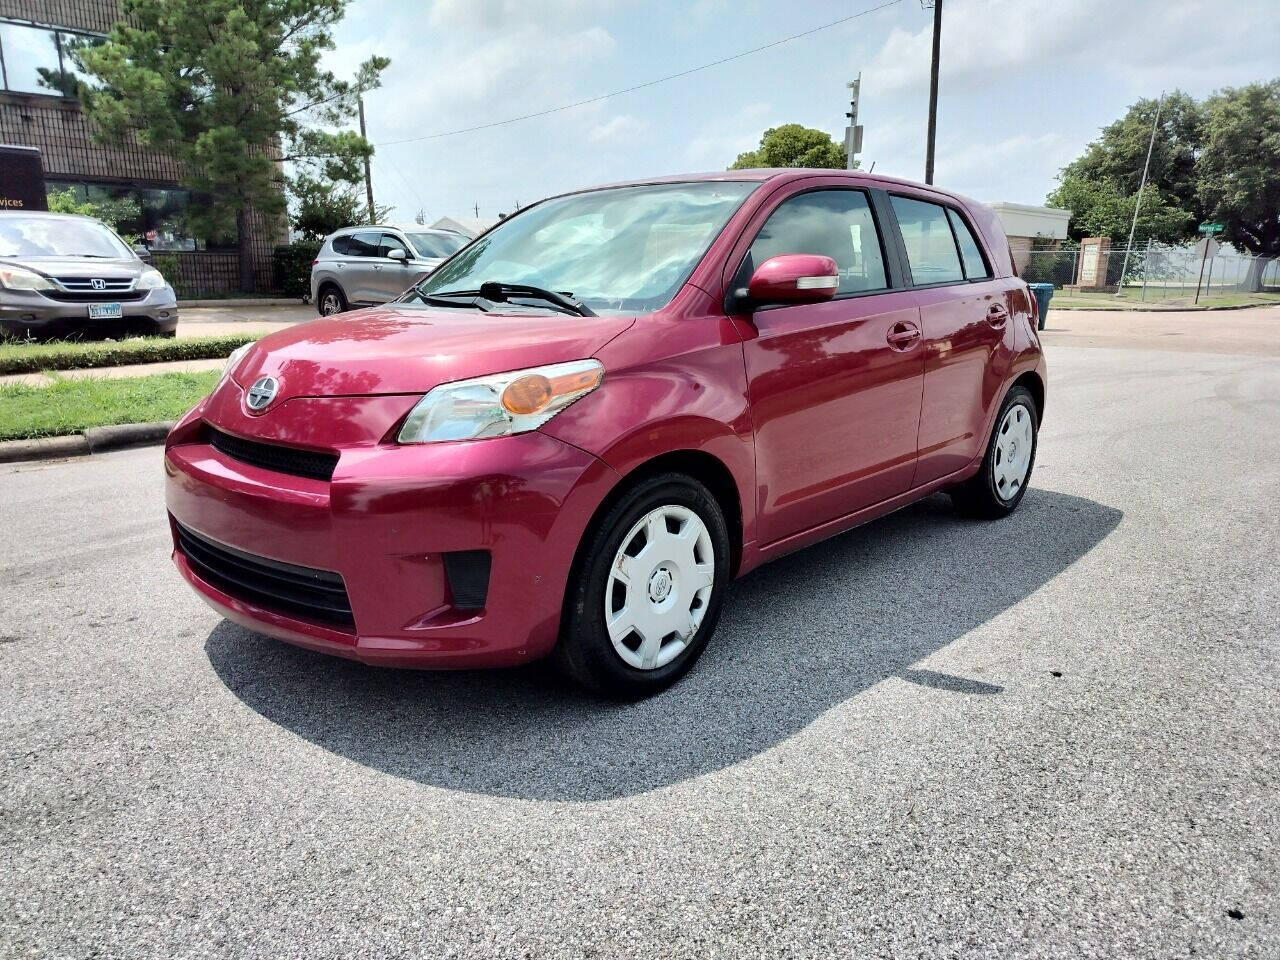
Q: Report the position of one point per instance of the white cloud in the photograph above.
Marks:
(617, 129)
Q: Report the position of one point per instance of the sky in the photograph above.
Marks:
(1025, 85)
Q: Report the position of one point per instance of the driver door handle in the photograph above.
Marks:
(903, 335)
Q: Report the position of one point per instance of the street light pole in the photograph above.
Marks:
(1137, 204)
(368, 179)
(933, 90)
(853, 132)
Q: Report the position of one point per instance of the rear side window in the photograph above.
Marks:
(931, 247)
(340, 245)
(364, 244)
(975, 268)
(833, 223)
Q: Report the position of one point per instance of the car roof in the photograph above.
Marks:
(779, 175)
(46, 215)
(405, 227)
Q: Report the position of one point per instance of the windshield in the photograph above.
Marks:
(433, 245)
(55, 237)
(620, 250)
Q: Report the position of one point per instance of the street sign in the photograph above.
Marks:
(1206, 248)
(1210, 228)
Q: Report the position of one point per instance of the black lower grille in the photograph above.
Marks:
(468, 574)
(96, 296)
(271, 456)
(316, 595)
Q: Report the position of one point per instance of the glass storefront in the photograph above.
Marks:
(157, 216)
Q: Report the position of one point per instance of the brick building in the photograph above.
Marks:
(39, 107)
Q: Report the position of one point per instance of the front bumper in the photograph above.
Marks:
(29, 313)
(383, 523)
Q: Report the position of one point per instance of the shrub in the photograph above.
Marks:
(292, 263)
(22, 357)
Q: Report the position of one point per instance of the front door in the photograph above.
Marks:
(834, 386)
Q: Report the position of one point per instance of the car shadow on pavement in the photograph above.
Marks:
(797, 636)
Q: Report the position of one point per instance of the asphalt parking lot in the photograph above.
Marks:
(1050, 736)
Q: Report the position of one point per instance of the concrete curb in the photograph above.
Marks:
(260, 302)
(92, 440)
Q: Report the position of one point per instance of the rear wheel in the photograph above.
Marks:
(331, 301)
(998, 488)
(647, 590)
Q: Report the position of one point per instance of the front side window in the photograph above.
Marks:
(833, 223)
(931, 247)
(391, 242)
(431, 246)
(55, 237)
(621, 250)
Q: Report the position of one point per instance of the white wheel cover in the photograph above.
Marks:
(659, 587)
(1015, 440)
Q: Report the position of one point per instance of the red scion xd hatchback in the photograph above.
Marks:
(572, 434)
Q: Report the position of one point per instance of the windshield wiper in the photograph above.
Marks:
(443, 299)
(497, 292)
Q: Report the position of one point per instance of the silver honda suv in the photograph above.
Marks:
(359, 266)
(64, 275)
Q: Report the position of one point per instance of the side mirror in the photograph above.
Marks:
(398, 253)
(141, 252)
(794, 278)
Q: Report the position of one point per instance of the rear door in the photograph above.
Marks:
(964, 314)
(834, 386)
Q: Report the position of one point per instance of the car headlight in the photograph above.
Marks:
(499, 405)
(151, 279)
(236, 355)
(20, 278)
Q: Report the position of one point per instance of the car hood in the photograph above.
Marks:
(80, 266)
(390, 349)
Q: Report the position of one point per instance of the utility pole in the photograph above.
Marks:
(933, 86)
(368, 178)
(1137, 204)
(853, 132)
(476, 208)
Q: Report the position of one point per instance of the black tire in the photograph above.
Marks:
(980, 495)
(585, 651)
(329, 295)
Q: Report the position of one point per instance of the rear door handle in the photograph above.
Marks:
(997, 315)
(903, 335)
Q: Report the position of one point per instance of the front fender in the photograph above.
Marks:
(692, 397)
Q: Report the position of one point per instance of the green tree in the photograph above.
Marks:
(319, 207)
(232, 89)
(793, 145)
(1100, 208)
(1239, 169)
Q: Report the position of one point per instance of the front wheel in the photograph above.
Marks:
(998, 488)
(647, 590)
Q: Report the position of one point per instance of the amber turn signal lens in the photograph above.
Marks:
(527, 395)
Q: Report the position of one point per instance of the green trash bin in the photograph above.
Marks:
(1043, 292)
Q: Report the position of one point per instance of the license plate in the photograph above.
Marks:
(105, 311)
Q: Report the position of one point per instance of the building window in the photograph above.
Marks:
(157, 217)
(42, 60)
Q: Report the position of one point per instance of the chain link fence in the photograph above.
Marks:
(1160, 274)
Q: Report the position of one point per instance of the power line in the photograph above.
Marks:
(647, 83)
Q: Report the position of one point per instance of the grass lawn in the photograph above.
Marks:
(18, 356)
(69, 406)
(1132, 297)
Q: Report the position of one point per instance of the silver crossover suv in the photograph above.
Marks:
(359, 266)
(63, 275)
